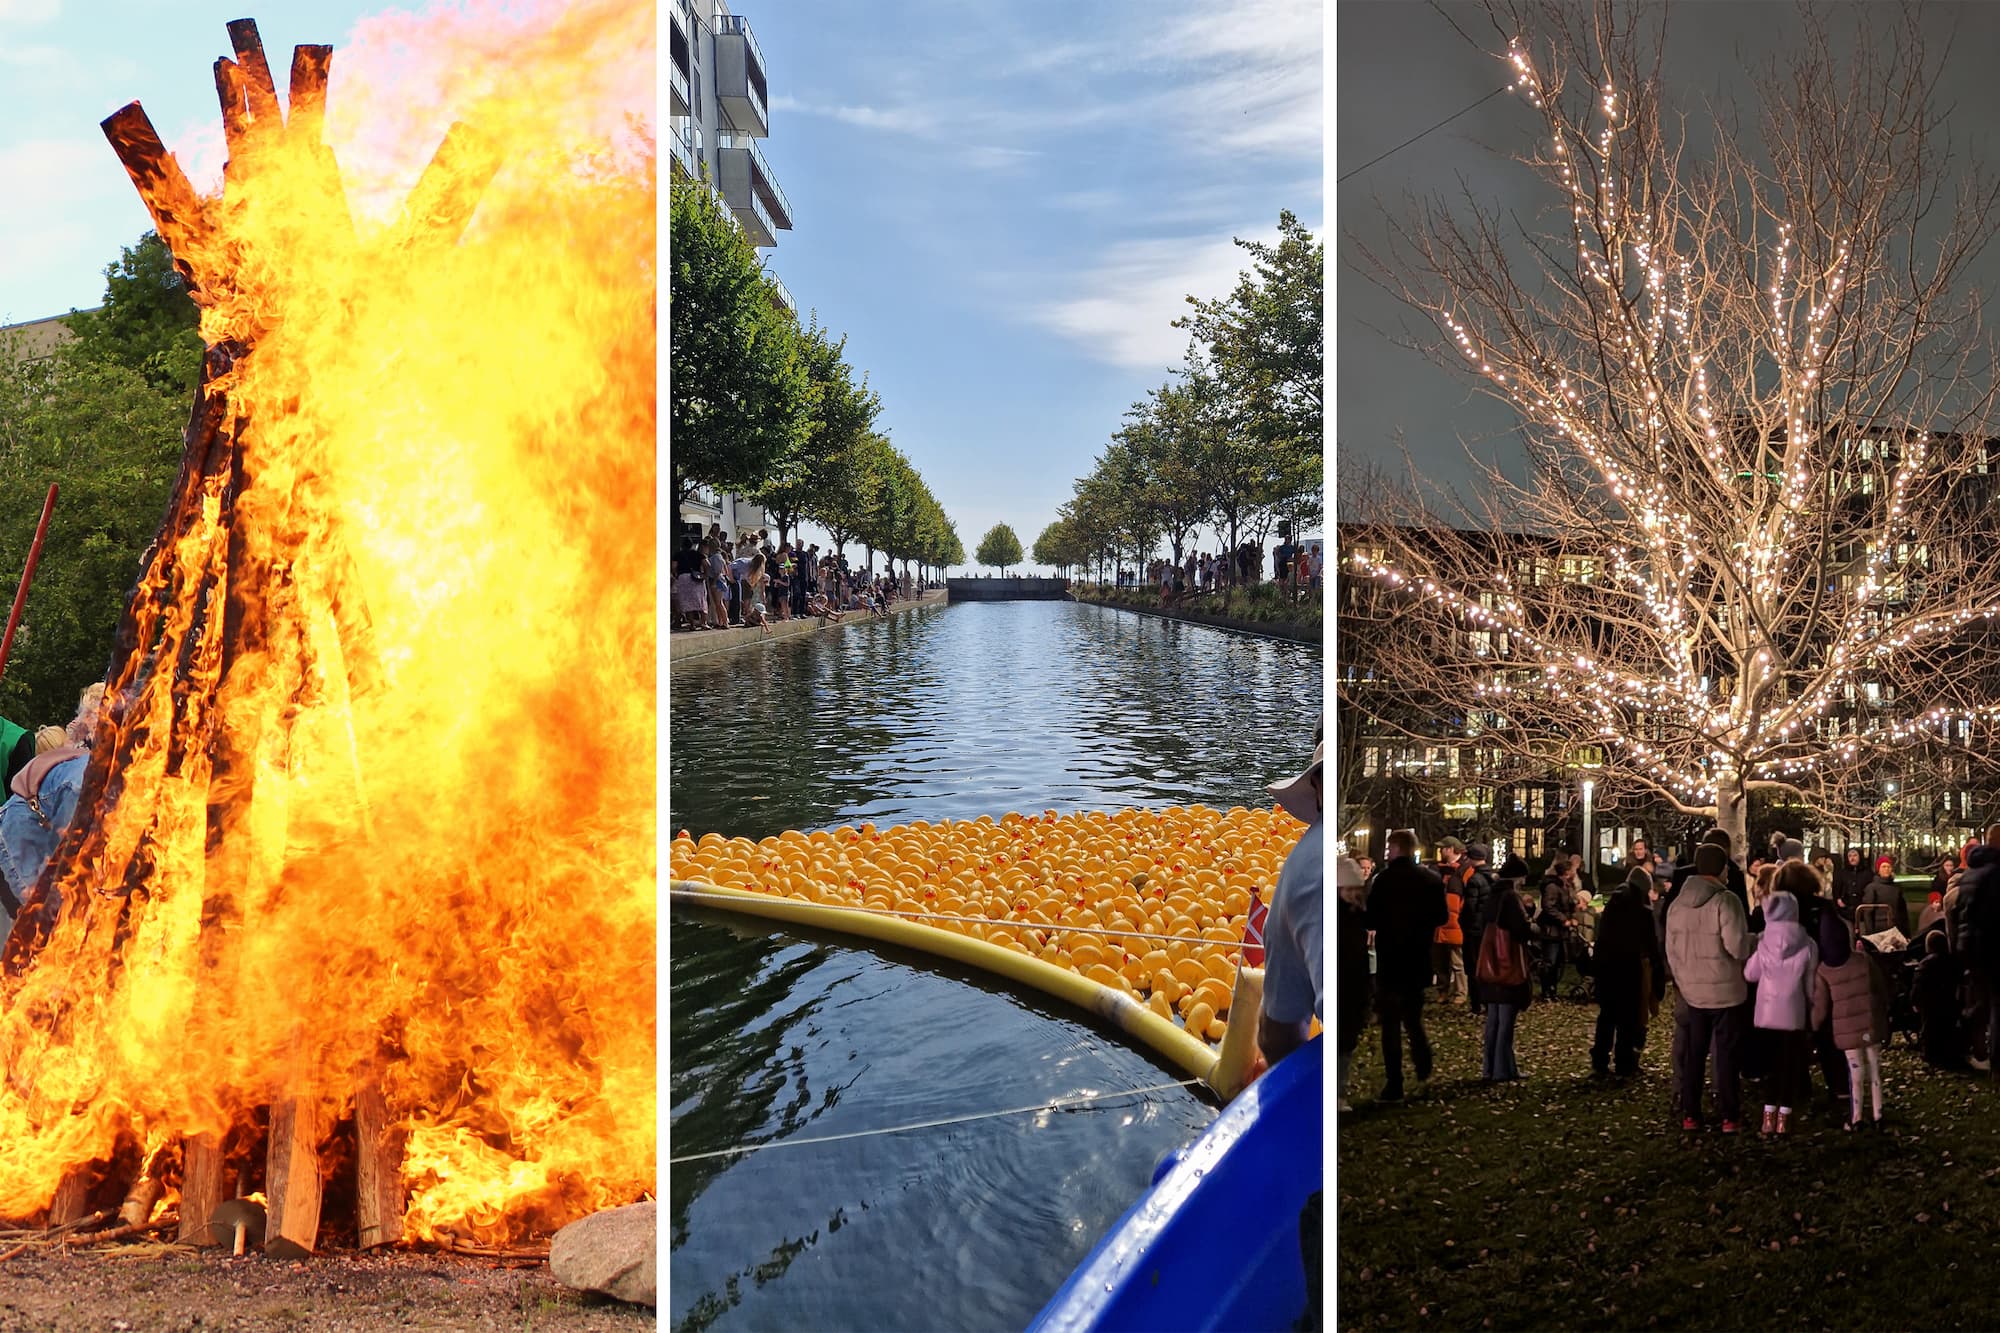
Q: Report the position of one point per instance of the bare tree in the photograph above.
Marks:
(1751, 550)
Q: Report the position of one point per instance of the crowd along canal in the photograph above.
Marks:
(774, 1033)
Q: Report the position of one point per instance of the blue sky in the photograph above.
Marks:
(67, 64)
(1002, 205)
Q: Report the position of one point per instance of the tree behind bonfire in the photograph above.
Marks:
(1751, 553)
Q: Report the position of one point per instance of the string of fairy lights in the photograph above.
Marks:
(1767, 723)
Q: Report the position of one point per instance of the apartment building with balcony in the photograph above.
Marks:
(720, 108)
(1410, 762)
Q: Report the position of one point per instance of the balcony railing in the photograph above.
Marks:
(781, 293)
(746, 105)
(762, 180)
(683, 100)
(735, 25)
(687, 147)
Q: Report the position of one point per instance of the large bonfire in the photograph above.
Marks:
(366, 852)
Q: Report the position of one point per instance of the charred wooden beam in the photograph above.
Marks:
(259, 88)
(175, 207)
(307, 113)
(448, 193)
(235, 108)
(291, 1179)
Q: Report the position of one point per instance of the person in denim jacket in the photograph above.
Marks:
(42, 801)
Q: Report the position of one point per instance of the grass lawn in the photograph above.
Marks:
(1561, 1202)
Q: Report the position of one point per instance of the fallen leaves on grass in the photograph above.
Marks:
(1562, 1200)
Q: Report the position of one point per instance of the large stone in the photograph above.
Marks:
(615, 1252)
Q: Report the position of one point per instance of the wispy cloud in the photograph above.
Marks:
(896, 120)
(28, 13)
(1121, 310)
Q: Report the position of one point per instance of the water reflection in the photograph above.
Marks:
(962, 1226)
(982, 708)
(951, 713)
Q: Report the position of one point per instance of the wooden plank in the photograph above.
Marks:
(201, 1186)
(292, 1185)
(448, 193)
(378, 1156)
(71, 1194)
(260, 91)
(230, 96)
(175, 207)
(307, 113)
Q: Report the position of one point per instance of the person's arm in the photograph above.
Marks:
(1822, 1001)
(1753, 967)
(1737, 941)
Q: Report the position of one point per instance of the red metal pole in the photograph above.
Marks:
(27, 576)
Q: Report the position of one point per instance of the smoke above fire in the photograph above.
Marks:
(429, 856)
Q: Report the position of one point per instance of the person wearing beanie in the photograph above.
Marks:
(1850, 880)
(1475, 905)
(1785, 968)
(1630, 969)
(1882, 903)
(1708, 939)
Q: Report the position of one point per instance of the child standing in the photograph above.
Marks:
(1784, 968)
(1858, 997)
(1938, 1003)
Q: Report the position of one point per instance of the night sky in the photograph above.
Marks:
(1401, 67)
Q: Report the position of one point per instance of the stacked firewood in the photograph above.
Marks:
(238, 626)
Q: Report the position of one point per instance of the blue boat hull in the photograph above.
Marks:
(1214, 1245)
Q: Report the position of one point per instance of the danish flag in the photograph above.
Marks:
(1253, 932)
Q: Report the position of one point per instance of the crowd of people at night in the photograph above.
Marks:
(746, 582)
(1779, 969)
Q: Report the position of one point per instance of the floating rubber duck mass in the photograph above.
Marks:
(1028, 883)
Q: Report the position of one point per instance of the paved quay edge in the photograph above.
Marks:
(690, 644)
(1296, 631)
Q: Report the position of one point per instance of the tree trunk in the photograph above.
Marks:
(1732, 813)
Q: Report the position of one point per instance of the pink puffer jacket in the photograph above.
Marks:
(1784, 969)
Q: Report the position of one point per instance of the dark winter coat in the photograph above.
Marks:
(1974, 931)
(1850, 883)
(1510, 916)
(1938, 1005)
(1473, 911)
(1884, 893)
(1351, 999)
(1626, 940)
(1405, 908)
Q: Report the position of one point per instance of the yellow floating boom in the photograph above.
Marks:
(1184, 1051)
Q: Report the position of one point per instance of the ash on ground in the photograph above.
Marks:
(156, 1290)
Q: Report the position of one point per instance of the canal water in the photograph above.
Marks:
(778, 1034)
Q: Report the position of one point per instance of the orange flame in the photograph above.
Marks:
(433, 752)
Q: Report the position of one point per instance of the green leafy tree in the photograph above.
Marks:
(740, 399)
(839, 413)
(999, 548)
(111, 439)
(1266, 339)
(843, 503)
(148, 322)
